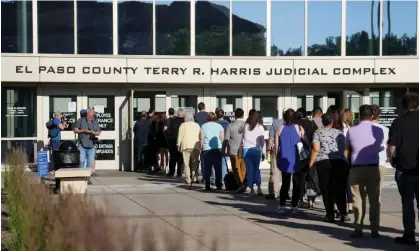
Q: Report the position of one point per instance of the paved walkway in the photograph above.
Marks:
(194, 219)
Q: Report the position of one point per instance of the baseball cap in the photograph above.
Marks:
(83, 112)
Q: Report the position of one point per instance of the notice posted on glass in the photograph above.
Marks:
(387, 116)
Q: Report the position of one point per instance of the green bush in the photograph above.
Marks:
(41, 221)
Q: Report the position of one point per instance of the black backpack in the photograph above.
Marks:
(53, 129)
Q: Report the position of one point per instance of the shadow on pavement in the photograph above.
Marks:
(384, 243)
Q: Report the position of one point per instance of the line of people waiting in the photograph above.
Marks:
(326, 155)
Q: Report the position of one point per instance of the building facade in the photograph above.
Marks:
(125, 56)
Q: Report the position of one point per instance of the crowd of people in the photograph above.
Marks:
(325, 155)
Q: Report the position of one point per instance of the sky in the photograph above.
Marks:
(324, 19)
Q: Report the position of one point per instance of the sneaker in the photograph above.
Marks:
(375, 235)
(345, 218)
(294, 210)
(329, 219)
(405, 240)
(337, 214)
(241, 189)
(260, 193)
(252, 190)
(89, 182)
(281, 210)
(270, 197)
(357, 234)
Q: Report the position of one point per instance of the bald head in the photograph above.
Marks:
(90, 114)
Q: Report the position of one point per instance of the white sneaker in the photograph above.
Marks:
(294, 210)
(260, 193)
(281, 210)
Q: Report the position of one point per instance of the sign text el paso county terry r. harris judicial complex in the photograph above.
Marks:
(175, 71)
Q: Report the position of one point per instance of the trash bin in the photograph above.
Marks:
(67, 155)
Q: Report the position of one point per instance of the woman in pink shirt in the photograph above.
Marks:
(253, 141)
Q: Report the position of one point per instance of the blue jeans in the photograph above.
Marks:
(252, 157)
(87, 155)
(213, 159)
(408, 186)
(224, 166)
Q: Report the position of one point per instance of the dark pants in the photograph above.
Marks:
(139, 152)
(213, 159)
(408, 186)
(297, 179)
(333, 177)
(175, 158)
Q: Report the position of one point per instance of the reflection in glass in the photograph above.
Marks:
(287, 28)
(268, 107)
(18, 109)
(388, 97)
(94, 27)
(106, 119)
(212, 22)
(28, 147)
(309, 102)
(225, 102)
(173, 27)
(66, 106)
(135, 27)
(399, 27)
(56, 27)
(249, 28)
(362, 28)
(16, 26)
(324, 28)
(184, 101)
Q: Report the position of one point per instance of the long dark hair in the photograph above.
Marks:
(289, 117)
(335, 112)
(253, 119)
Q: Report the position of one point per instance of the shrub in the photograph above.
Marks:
(41, 221)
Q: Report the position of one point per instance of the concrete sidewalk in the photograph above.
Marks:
(193, 219)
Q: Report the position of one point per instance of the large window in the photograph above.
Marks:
(184, 101)
(94, 27)
(56, 27)
(268, 108)
(105, 111)
(309, 102)
(287, 28)
(389, 101)
(362, 28)
(173, 26)
(212, 22)
(230, 103)
(135, 27)
(399, 27)
(18, 109)
(324, 28)
(28, 147)
(16, 26)
(249, 28)
(67, 105)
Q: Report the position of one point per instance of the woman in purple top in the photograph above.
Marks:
(288, 159)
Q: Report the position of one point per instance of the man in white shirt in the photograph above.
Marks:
(376, 111)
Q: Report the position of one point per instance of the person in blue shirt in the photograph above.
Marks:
(211, 138)
(61, 124)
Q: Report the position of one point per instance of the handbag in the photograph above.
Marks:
(302, 149)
